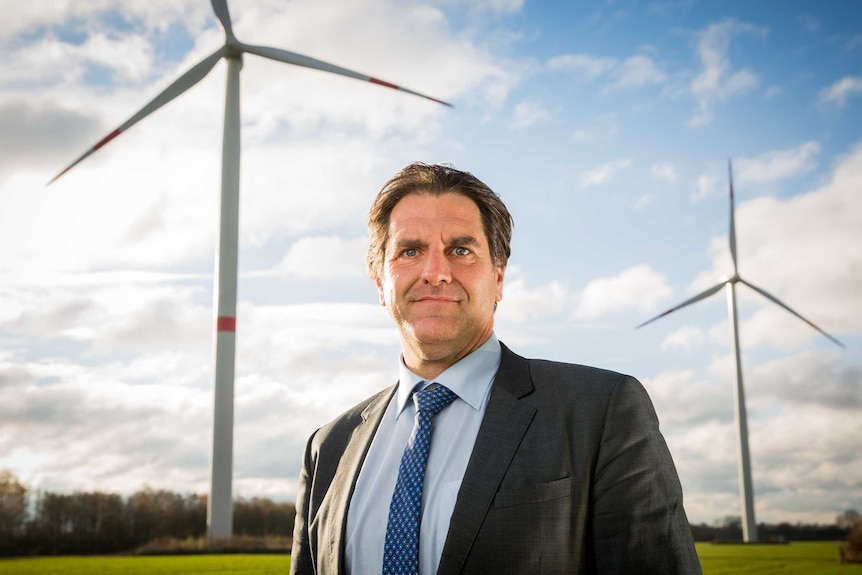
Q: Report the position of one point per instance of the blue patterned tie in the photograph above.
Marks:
(401, 550)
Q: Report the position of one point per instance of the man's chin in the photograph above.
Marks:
(434, 328)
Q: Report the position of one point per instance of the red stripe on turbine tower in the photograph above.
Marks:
(226, 323)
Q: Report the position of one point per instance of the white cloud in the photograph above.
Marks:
(644, 200)
(685, 400)
(392, 39)
(501, 6)
(39, 133)
(778, 165)
(840, 91)
(131, 57)
(854, 42)
(637, 71)
(523, 304)
(809, 378)
(591, 67)
(528, 114)
(686, 337)
(637, 288)
(604, 173)
(634, 71)
(719, 80)
(154, 15)
(809, 22)
(706, 186)
(664, 173)
(607, 129)
(773, 92)
(325, 258)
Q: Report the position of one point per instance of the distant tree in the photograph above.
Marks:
(263, 517)
(703, 532)
(54, 514)
(848, 519)
(729, 528)
(13, 503)
(159, 513)
(852, 550)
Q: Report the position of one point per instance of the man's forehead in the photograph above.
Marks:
(449, 206)
(424, 225)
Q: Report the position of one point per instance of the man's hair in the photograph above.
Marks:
(436, 180)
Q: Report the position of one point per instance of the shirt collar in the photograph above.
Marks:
(469, 378)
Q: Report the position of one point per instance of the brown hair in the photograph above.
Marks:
(436, 180)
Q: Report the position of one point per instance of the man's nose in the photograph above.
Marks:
(437, 268)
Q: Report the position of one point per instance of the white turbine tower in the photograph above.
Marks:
(220, 510)
(749, 527)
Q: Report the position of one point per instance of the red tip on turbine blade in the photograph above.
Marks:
(106, 139)
(226, 323)
(832, 339)
(440, 101)
(98, 145)
(58, 176)
(383, 83)
(397, 87)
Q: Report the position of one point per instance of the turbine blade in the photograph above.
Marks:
(732, 223)
(774, 299)
(300, 60)
(223, 15)
(702, 295)
(180, 85)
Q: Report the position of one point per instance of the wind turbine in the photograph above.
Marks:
(749, 527)
(220, 509)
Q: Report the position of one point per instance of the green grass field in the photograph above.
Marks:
(792, 559)
(804, 558)
(149, 565)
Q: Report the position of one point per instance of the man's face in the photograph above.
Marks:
(439, 281)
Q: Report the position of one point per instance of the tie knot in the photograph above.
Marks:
(433, 400)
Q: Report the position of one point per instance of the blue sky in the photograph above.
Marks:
(606, 127)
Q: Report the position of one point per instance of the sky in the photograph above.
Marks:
(606, 127)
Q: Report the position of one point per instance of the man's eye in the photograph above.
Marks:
(411, 253)
(461, 251)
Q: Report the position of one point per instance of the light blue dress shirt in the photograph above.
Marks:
(452, 440)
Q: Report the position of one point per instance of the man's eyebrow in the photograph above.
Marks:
(463, 241)
(408, 243)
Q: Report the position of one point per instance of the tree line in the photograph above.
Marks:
(730, 530)
(98, 523)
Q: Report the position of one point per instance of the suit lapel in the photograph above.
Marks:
(344, 480)
(504, 425)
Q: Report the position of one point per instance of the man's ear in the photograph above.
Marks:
(380, 291)
(500, 270)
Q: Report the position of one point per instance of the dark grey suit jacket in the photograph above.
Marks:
(569, 474)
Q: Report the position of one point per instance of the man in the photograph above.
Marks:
(533, 466)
